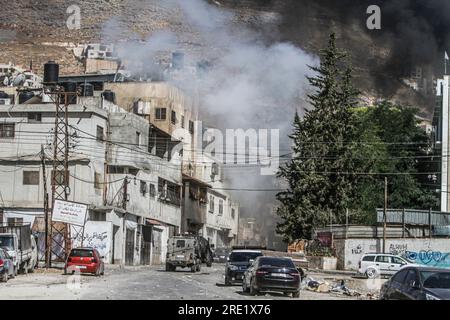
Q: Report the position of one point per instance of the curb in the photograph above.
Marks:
(341, 272)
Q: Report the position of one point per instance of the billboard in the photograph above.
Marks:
(69, 212)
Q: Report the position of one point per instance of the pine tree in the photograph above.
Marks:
(318, 176)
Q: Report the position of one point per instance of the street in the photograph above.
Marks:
(133, 283)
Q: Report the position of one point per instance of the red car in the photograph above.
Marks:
(85, 260)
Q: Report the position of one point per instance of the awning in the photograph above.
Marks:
(154, 222)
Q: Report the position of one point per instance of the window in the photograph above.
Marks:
(220, 207)
(152, 190)
(160, 113)
(7, 130)
(143, 188)
(181, 243)
(368, 258)
(384, 259)
(412, 278)
(34, 117)
(399, 276)
(31, 178)
(99, 133)
(15, 221)
(168, 192)
(116, 170)
(173, 117)
(397, 260)
(191, 127)
(138, 138)
(211, 204)
(233, 214)
(97, 180)
(182, 121)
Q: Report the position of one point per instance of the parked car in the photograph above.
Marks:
(85, 260)
(373, 265)
(221, 255)
(272, 274)
(238, 262)
(6, 266)
(417, 283)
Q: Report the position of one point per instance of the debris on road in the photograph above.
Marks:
(324, 287)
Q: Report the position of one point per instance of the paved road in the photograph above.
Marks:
(135, 283)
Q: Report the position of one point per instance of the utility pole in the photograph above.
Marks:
(60, 232)
(105, 171)
(125, 194)
(44, 182)
(385, 213)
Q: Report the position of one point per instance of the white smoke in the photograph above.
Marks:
(250, 84)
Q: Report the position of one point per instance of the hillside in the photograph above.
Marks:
(35, 30)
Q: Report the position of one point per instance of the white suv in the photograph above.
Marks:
(375, 264)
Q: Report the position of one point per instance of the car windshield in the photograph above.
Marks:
(276, 262)
(243, 256)
(436, 279)
(81, 253)
(7, 243)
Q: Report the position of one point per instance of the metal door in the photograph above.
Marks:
(129, 247)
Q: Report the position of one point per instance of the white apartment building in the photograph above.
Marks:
(107, 147)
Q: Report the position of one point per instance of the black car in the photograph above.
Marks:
(272, 274)
(6, 266)
(221, 255)
(237, 264)
(417, 283)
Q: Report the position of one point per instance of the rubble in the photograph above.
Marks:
(311, 284)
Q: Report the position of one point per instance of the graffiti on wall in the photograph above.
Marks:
(357, 250)
(429, 257)
(398, 249)
(96, 235)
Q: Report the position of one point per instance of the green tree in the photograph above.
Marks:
(398, 146)
(318, 179)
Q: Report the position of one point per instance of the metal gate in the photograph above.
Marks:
(146, 245)
(129, 247)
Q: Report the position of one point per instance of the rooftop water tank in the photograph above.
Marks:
(51, 73)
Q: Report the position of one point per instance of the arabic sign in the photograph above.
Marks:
(69, 212)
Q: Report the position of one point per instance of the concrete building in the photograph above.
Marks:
(207, 209)
(441, 136)
(132, 195)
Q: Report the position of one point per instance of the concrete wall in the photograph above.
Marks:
(430, 252)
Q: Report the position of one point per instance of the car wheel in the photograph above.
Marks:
(371, 273)
(253, 291)
(296, 294)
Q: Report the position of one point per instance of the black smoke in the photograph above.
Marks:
(413, 32)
